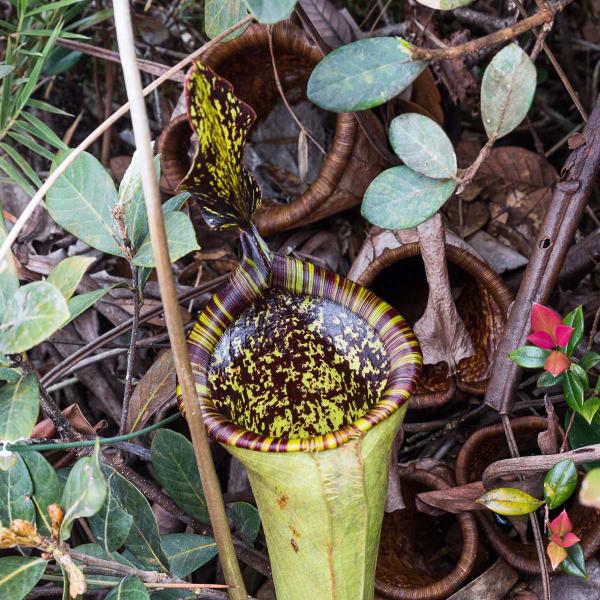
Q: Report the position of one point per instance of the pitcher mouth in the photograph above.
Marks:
(347, 381)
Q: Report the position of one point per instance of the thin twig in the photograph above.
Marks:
(92, 137)
(137, 302)
(141, 132)
(285, 100)
(498, 37)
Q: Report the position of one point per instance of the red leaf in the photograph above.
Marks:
(561, 525)
(556, 363)
(541, 339)
(544, 319)
(563, 334)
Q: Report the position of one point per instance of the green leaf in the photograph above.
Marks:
(111, 526)
(174, 462)
(246, 520)
(271, 11)
(16, 490)
(590, 408)
(68, 273)
(507, 90)
(5, 70)
(573, 391)
(46, 487)
(509, 502)
(574, 319)
(583, 433)
(581, 374)
(19, 408)
(96, 551)
(9, 374)
(130, 588)
(219, 15)
(61, 60)
(589, 360)
(181, 239)
(423, 146)
(35, 312)
(546, 379)
(574, 564)
(444, 4)
(560, 482)
(81, 202)
(529, 357)
(38, 128)
(79, 304)
(84, 492)
(363, 74)
(131, 196)
(187, 552)
(399, 198)
(18, 575)
(143, 540)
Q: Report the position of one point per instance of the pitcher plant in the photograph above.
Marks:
(301, 374)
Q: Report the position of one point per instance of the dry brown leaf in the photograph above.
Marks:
(440, 331)
(467, 217)
(155, 391)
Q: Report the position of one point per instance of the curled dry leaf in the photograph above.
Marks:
(441, 332)
(154, 392)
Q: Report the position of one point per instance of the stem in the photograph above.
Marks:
(31, 447)
(92, 137)
(503, 35)
(50, 409)
(137, 301)
(141, 131)
(472, 170)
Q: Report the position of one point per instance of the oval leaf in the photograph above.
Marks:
(19, 408)
(112, 524)
(16, 490)
(575, 320)
(509, 502)
(560, 482)
(181, 239)
(67, 274)
(574, 564)
(174, 462)
(507, 90)
(271, 11)
(187, 552)
(246, 520)
(529, 357)
(219, 15)
(46, 487)
(84, 492)
(363, 74)
(81, 202)
(35, 312)
(423, 146)
(18, 575)
(399, 198)
(143, 540)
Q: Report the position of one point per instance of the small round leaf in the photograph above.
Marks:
(444, 4)
(400, 198)
(507, 90)
(423, 146)
(529, 357)
(363, 74)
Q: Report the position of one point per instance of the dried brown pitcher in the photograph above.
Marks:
(489, 445)
(413, 564)
(394, 271)
(351, 162)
